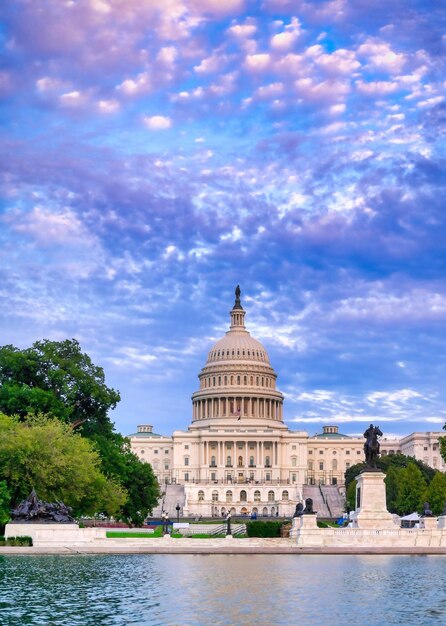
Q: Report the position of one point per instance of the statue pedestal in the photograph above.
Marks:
(429, 523)
(371, 510)
(306, 531)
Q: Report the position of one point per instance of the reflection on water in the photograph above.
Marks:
(187, 590)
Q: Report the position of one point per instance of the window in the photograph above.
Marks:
(321, 452)
(166, 451)
(215, 496)
(186, 477)
(213, 476)
(347, 452)
(243, 497)
(251, 461)
(293, 461)
(310, 465)
(143, 451)
(256, 496)
(240, 461)
(229, 496)
(267, 461)
(166, 466)
(200, 496)
(238, 380)
(186, 460)
(293, 447)
(285, 495)
(245, 380)
(321, 465)
(186, 446)
(334, 465)
(228, 461)
(310, 451)
(268, 476)
(271, 496)
(213, 464)
(155, 452)
(293, 478)
(358, 452)
(347, 465)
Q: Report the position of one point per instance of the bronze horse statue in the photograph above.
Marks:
(371, 446)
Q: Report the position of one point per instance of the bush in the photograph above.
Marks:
(18, 541)
(263, 529)
(2, 541)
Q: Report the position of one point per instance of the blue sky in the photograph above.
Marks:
(155, 153)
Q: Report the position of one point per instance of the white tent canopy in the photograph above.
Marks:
(413, 517)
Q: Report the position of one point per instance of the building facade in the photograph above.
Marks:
(238, 455)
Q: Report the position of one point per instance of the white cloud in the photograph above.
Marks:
(157, 122)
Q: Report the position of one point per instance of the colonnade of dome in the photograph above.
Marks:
(237, 381)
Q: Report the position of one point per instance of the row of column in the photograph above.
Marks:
(221, 451)
(237, 407)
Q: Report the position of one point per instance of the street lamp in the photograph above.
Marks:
(178, 508)
(228, 524)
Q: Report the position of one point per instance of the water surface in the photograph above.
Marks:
(217, 590)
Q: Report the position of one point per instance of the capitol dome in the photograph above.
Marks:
(237, 381)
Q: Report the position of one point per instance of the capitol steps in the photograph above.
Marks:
(172, 496)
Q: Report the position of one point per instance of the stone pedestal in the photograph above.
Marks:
(371, 511)
(305, 530)
(429, 523)
(53, 534)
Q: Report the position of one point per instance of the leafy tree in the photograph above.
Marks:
(5, 505)
(436, 493)
(56, 378)
(44, 453)
(351, 496)
(391, 481)
(411, 490)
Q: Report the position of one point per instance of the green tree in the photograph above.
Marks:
(391, 481)
(43, 453)
(58, 379)
(5, 505)
(436, 493)
(411, 486)
(351, 496)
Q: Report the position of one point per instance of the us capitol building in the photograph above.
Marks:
(239, 456)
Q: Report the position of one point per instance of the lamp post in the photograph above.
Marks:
(178, 511)
(228, 524)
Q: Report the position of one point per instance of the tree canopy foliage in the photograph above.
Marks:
(57, 379)
(43, 453)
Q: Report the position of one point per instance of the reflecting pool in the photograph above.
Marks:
(257, 590)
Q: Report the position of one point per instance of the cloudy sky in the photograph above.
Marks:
(155, 153)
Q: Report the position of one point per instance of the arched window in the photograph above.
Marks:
(200, 496)
(285, 495)
(215, 496)
(251, 461)
(243, 496)
(213, 464)
(229, 496)
(271, 496)
(256, 496)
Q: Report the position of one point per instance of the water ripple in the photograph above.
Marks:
(221, 590)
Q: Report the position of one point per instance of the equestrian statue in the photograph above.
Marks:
(371, 446)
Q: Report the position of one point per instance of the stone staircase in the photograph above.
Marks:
(173, 495)
(334, 500)
(319, 505)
